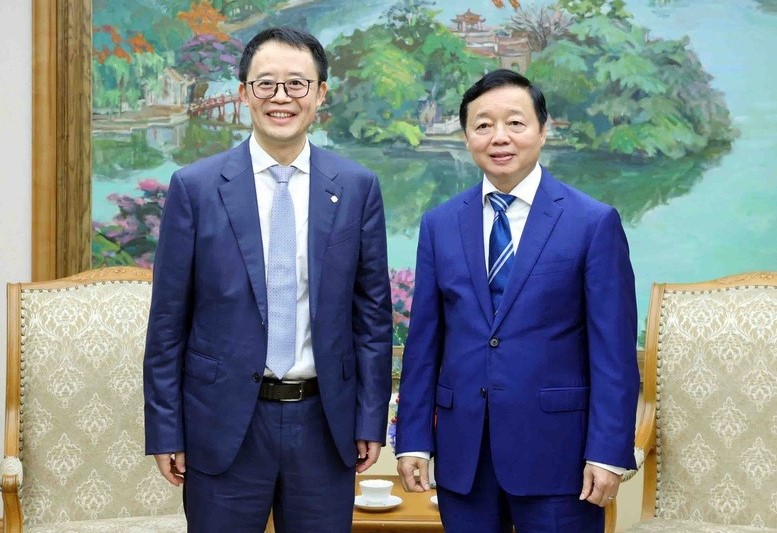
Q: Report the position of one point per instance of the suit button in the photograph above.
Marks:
(493, 342)
(257, 377)
(483, 392)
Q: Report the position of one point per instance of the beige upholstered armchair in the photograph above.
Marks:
(74, 457)
(708, 436)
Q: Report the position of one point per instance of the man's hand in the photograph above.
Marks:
(368, 454)
(406, 467)
(172, 466)
(600, 486)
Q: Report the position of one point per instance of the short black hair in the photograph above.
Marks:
(289, 36)
(501, 78)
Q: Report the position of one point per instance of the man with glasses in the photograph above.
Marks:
(267, 369)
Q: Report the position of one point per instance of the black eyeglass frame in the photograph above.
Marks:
(279, 83)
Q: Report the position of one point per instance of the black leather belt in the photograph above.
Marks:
(277, 390)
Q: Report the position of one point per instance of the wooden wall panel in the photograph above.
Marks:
(61, 137)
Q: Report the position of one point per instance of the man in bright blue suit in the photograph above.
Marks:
(267, 371)
(519, 373)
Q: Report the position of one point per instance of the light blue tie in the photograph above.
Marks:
(282, 276)
(500, 247)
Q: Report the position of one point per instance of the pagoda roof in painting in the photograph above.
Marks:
(469, 17)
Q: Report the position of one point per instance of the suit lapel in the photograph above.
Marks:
(321, 217)
(471, 230)
(238, 193)
(543, 215)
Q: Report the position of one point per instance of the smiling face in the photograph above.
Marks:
(504, 135)
(281, 123)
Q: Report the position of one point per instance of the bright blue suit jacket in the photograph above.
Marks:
(556, 365)
(207, 335)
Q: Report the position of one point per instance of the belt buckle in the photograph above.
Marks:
(300, 385)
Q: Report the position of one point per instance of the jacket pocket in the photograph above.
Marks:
(444, 397)
(201, 366)
(557, 400)
(561, 265)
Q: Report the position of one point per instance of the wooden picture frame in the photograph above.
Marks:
(61, 137)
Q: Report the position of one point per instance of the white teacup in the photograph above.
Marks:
(376, 490)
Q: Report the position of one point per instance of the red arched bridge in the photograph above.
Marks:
(207, 107)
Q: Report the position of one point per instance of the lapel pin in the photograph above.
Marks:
(334, 199)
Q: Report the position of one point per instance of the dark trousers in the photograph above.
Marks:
(288, 463)
(489, 509)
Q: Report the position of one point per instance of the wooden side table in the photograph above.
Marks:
(415, 513)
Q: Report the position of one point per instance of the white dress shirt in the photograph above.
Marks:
(517, 213)
(299, 189)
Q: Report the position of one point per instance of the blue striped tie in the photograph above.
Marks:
(282, 276)
(500, 247)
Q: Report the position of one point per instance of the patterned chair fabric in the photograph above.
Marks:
(78, 376)
(712, 353)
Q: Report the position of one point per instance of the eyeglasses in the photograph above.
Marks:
(294, 88)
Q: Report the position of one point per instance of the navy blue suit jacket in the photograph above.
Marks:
(207, 333)
(558, 360)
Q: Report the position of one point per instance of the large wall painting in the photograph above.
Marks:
(664, 109)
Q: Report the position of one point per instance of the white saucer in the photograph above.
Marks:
(390, 502)
(433, 499)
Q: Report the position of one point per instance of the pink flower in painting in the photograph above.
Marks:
(153, 186)
(146, 260)
(131, 236)
(402, 286)
(153, 222)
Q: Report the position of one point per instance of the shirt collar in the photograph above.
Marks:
(261, 160)
(526, 189)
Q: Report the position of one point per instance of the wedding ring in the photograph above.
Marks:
(610, 497)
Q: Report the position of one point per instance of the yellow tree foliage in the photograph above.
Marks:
(204, 19)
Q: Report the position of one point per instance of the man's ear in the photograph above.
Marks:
(321, 96)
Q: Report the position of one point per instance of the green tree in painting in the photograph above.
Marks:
(374, 97)
(132, 44)
(628, 94)
(583, 9)
(384, 74)
(155, 20)
(124, 68)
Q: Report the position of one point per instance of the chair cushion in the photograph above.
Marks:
(175, 523)
(82, 408)
(691, 526)
(717, 398)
